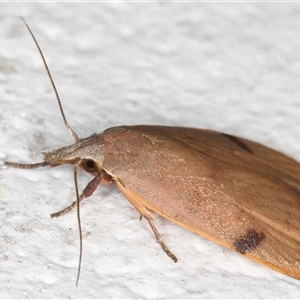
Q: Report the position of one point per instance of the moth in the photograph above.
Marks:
(231, 190)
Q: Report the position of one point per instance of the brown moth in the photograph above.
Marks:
(233, 191)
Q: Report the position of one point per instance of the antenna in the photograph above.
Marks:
(72, 132)
(75, 137)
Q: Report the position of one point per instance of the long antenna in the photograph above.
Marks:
(78, 220)
(75, 137)
(72, 132)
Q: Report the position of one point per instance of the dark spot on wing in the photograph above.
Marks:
(238, 142)
(248, 242)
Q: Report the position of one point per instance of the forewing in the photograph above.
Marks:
(236, 192)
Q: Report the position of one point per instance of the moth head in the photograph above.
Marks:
(87, 153)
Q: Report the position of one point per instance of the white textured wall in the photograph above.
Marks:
(229, 67)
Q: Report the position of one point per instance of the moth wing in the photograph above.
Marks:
(233, 191)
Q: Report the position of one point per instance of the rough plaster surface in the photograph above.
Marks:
(228, 67)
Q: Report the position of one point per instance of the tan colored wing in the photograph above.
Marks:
(233, 191)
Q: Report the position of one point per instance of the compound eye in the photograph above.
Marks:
(90, 166)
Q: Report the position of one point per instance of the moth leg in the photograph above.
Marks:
(87, 192)
(161, 241)
(144, 212)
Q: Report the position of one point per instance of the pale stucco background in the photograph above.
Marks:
(232, 67)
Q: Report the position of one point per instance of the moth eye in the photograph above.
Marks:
(89, 166)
